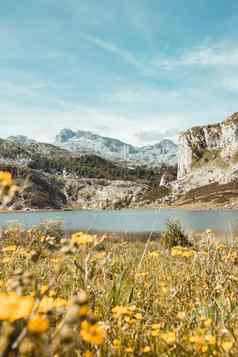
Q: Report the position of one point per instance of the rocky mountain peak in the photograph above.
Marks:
(164, 152)
(21, 140)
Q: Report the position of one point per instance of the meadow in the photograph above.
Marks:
(86, 295)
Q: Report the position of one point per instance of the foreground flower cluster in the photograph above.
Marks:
(84, 295)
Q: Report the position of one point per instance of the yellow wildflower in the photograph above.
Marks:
(88, 354)
(208, 322)
(84, 310)
(182, 252)
(129, 349)
(168, 337)
(156, 326)
(204, 348)
(46, 304)
(119, 311)
(211, 340)
(141, 275)
(146, 349)
(81, 238)
(116, 344)
(14, 307)
(6, 178)
(38, 324)
(10, 248)
(227, 345)
(138, 316)
(52, 293)
(155, 333)
(44, 289)
(93, 334)
(60, 302)
(196, 339)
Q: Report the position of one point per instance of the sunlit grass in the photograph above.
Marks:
(88, 295)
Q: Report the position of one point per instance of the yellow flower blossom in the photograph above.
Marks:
(116, 344)
(182, 252)
(38, 324)
(93, 334)
(14, 307)
(6, 178)
(88, 354)
(207, 323)
(81, 238)
(44, 289)
(10, 248)
(211, 340)
(129, 349)
(119, 311)
(168, 337)
(227, 345)
(46, 304)
(142, 275)
(60, 302)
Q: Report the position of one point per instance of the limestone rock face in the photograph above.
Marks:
(222, 137)
(104, 194)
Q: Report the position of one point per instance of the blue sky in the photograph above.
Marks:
(138, 70)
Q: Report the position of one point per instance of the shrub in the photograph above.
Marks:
(174, 235)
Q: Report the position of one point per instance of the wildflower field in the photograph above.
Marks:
(85, 295)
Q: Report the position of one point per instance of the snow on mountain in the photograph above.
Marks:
(83, 142)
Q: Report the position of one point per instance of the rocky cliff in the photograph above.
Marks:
(205, 143)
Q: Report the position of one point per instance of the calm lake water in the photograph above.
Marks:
(129, 221)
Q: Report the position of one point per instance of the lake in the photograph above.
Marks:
(129, 220)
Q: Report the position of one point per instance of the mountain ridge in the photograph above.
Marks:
(80, 141)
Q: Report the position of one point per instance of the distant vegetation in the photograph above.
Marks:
(92, 166)
(209, 156)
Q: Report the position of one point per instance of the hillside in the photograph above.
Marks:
(58, 178)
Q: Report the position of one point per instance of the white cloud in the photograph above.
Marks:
(43, 124)
(214, 56)
(154, 136)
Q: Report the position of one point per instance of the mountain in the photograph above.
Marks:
(56, 177)
(85, 142)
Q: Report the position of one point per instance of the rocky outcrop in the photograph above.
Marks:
(199, 142)
(104, 194)
(40, 191)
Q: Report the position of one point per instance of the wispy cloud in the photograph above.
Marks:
(213, 56)
(154, 136)
(110, 47)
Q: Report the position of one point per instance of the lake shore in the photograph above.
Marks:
(128, 222)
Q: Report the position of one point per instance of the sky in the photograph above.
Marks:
(136, 70)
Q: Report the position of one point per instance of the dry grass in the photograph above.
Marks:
(91, 296)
